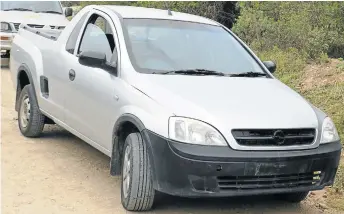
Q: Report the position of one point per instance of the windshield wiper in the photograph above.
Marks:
(48, 11)
(18, 9)
(194, 72)
(249, 74)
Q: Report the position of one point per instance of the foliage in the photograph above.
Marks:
(323, 58)
(330, 98)
(69, 3)
(221, 11)
(340, 67)
(312, 27)
(290, 62)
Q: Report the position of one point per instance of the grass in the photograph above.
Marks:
(289, 64)
(336, 197)
(340, 66)
(329, 98)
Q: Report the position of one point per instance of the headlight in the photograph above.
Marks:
(194, 132)
(328, 132)
(5, 27)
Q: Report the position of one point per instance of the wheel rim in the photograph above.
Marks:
(126, 171)
(25, 112)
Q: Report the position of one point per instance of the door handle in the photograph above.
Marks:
(71, 74)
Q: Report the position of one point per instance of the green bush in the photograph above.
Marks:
(323, 58)
(314, 28)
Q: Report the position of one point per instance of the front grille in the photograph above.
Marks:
(35, 26)
(16, 25)
(56, 27)
(269, 181)
(274, 137)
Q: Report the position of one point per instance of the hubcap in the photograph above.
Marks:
(126, 171)
(25, 112)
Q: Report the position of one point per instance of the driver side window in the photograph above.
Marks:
(98, 37)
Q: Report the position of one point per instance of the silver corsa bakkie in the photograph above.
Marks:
(180, 104)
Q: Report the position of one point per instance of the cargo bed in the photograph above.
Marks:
(52, 34)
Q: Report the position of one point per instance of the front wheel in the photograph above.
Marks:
(137, 193)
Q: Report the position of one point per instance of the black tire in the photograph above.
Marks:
(296, 197)
(35, 124)
(140, 194)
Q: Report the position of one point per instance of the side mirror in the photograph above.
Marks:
(270, 65)
(68, 11)
(92, 59)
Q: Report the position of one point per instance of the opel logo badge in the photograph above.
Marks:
(279, 137)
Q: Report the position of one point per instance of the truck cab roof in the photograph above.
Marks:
(151, 13)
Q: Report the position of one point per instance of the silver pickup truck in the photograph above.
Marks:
(178, 102)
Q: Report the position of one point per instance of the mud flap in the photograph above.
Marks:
(115, 161)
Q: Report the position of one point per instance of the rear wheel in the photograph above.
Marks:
(294, 197)
(137, 193)
(30, 118)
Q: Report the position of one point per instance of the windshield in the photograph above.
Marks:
(157, 46)
(36, 6)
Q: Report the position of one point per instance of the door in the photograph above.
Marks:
(91, 103)
(53, 81)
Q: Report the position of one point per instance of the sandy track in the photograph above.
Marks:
(59, 173)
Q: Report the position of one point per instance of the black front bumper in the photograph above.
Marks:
(196, 171)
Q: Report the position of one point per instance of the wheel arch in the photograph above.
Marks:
(128, 118)
(131, 121)
(23, 73)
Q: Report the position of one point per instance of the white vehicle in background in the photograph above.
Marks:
(36, 14)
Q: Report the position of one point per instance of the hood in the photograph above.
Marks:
(235, 102)
(28, 17)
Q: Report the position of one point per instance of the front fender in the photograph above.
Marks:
(154, 121)
(153, 118)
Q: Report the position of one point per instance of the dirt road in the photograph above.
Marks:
(59, 173)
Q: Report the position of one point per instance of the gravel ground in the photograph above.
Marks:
(59, 173)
